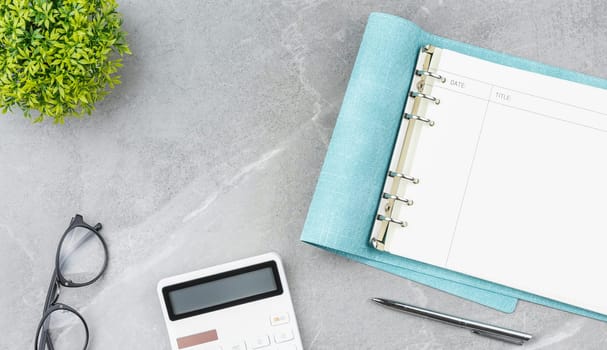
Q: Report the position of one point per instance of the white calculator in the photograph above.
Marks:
(242, 305)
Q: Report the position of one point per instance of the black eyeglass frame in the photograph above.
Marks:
(51, 305)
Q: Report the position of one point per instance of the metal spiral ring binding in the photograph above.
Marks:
(417, 117)
(425, 74)
(421, 72)
(387, 195)
(392, 220)
(403, 176)
(422, 95)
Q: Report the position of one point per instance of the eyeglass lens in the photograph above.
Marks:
(81, 256)
(62, 330)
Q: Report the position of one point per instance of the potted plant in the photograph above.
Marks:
(58, 57)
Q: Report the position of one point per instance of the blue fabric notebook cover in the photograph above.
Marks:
(347, 194)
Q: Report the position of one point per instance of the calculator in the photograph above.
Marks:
(241, 305)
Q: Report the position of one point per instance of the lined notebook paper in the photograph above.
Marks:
(512, 180)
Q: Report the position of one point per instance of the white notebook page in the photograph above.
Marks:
(513, 182)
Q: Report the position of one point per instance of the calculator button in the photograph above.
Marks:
(238, 346)
(259, 342)
(283, 335)
(279, 319)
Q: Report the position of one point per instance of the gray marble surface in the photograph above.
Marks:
(210, 151)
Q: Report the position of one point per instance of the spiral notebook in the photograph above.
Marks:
(469, 171)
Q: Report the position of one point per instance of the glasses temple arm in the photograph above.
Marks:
(45, 340)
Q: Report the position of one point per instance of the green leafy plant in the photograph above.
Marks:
(58, 57)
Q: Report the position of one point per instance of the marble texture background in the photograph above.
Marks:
(210, 151)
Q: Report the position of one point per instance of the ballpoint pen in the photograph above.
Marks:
(487, 330)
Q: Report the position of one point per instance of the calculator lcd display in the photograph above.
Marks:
(222, 290)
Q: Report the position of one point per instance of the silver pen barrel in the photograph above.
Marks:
(479, 328)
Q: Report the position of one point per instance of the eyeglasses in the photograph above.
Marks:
(81, 259)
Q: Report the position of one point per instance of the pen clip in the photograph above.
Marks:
(502, 337)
